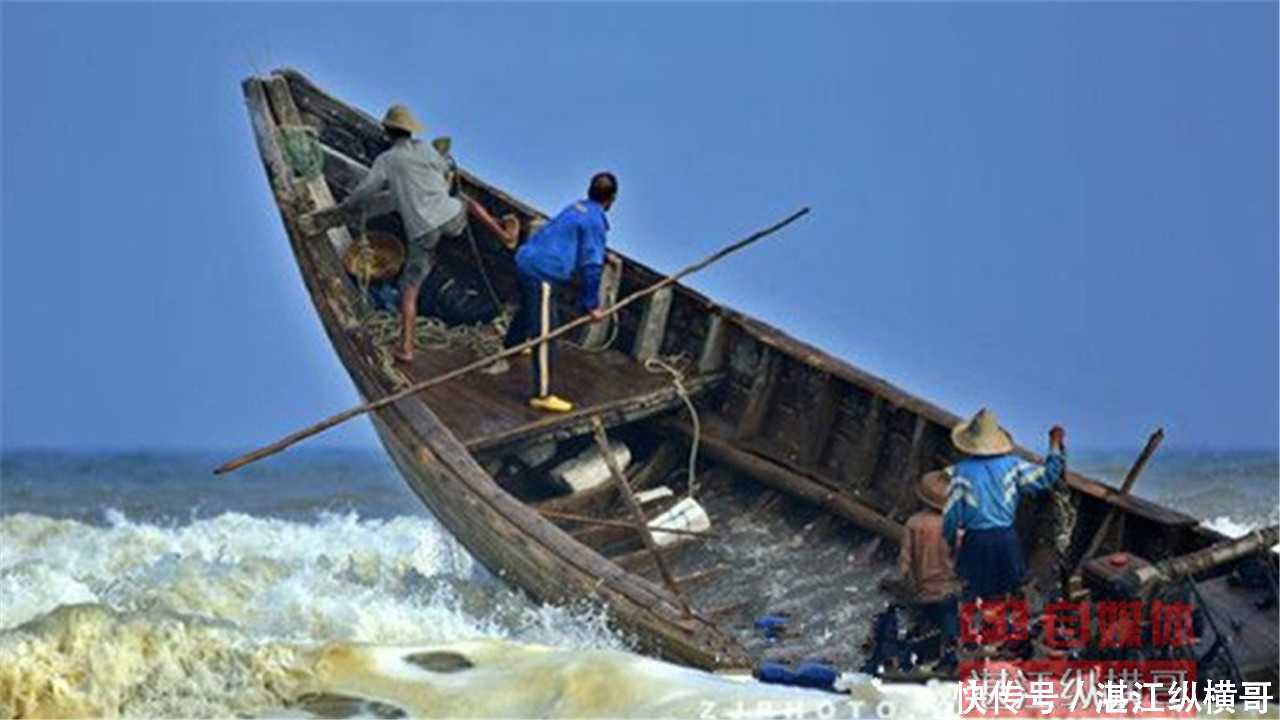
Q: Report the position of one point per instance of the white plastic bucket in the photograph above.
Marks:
(684, 515)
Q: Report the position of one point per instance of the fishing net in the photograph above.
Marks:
(302, 151)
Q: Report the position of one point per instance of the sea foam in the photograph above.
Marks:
(238, 615)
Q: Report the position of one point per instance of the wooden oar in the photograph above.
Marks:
(1153, 442)
(338, 419)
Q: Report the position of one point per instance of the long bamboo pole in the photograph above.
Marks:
(333, 420)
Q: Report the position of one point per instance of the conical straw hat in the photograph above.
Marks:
(932, 489)
(401, 117)
(982, 435)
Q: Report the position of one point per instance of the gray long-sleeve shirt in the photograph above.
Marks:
(416, 175)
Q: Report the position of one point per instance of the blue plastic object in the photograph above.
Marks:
(772, 625)
(811, 674)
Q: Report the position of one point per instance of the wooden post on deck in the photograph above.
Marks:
(1153, 442)
(602, 444)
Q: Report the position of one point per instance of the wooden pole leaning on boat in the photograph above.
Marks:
(1153, 442)
(296, 437)
(642, 529)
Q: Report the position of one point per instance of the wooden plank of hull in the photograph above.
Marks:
(800, 351)
(711, 356)
(781, 478)
(653, 326)
(753, 416)
(642, 561)
(316, 190)
(619, 412)
(818, 433)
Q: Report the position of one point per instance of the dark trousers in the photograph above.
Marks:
(990, 563)
(943, 613)
(536, 316)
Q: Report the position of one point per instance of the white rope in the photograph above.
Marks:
(657, 364)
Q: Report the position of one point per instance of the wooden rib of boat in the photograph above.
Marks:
(803, 457)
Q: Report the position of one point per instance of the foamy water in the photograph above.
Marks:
(238, 615)
(319, 587)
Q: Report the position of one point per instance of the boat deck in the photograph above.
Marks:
(486, 412)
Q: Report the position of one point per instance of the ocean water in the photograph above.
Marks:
(316, 585)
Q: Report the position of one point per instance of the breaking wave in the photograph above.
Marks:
(238, 615)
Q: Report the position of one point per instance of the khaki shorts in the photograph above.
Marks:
(420, 254)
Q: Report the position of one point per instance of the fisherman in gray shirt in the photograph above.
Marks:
(418, 177)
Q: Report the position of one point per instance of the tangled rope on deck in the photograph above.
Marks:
(431, 333)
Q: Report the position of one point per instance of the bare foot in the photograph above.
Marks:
(404, 356)
(511, 231)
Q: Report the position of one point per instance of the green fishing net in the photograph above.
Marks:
(302, 151)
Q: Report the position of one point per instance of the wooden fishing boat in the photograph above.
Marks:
(803, 460)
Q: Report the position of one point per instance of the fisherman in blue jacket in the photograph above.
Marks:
(982, 503)
(572, 244)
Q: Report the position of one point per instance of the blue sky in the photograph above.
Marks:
(1067, 212)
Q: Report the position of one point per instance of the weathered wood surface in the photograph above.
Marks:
(770, 473)
(711, 356)
(314, 190)
(752, 418)
(500, 531)
(1250, 625)
(653, 326)
(490, 413)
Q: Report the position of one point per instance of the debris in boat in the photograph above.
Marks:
(588, 468)
(809, 674)
(644, 497)
(773, 625)
(537, 453)
(687, 515)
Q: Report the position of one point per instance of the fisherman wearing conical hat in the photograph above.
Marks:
(982, 502)
(571, 245)
(925, 558)
(418, 176)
